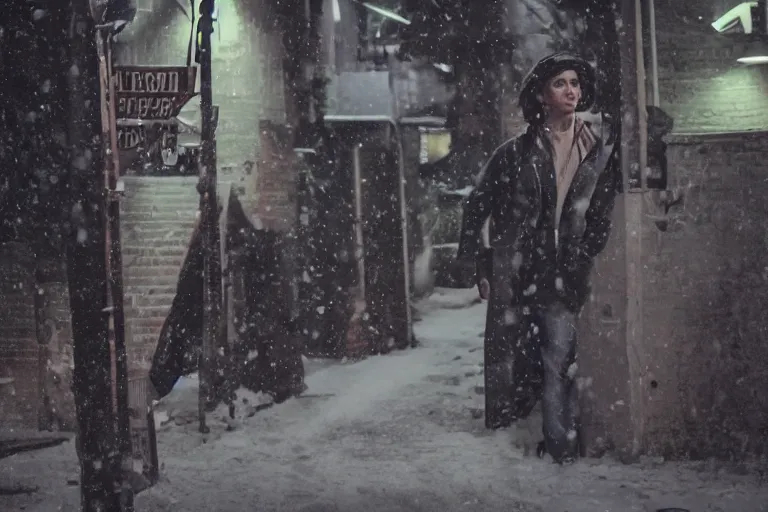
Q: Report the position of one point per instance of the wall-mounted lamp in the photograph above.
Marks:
(385, 12)
(741, 14)
(753, 17)
(756, 53)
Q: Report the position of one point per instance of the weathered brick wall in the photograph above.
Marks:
(19, 368)
(53, 294)
(704, 304)
(704, 279)
(277, 179)
(700, 83)
(158, 216)
(703, 349)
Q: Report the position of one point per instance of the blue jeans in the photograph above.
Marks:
(560, 400)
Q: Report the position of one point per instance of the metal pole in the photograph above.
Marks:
(211, 271)
(656, 97)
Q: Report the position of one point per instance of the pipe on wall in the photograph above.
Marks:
(655, 96)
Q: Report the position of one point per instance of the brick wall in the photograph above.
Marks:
(159, 213)
(704, 304)
(277, 178)
(701, 362)
(158, 217)
(700, 83)
(704, 278)
(19, 368)
(53, 296)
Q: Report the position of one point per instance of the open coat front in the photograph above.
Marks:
(532, 264)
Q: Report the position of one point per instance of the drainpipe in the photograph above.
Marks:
(393, 125)
(655, 96)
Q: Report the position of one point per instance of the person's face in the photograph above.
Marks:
(561, 94)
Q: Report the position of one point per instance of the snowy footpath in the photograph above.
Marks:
(395, 433)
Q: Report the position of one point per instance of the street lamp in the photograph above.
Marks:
(756, 52)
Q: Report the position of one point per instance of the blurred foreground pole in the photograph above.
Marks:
(97, 388)
(210, 224)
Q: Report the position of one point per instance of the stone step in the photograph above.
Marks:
(141, 342)
(174, 260)
(155, 300)
(133, 249)
(148, 230)
(175, 243)
(148, 312)
(153, 194)
(149, 212)
(172, 186)
(153, 323)
(155, 223)
(157, 271)
(159, 203)
(150, 290)
(164, 202)
(140, 279)
(168, 217)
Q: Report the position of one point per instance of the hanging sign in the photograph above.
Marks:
(147, 99)
(153, 92)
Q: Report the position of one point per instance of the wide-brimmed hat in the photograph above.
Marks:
(547, 68)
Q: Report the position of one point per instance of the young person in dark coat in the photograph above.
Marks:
(547, 197)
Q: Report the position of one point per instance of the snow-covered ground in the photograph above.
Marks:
(401, 432)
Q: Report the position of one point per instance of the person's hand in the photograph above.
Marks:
(484, 287)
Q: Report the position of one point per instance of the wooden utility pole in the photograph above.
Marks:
(633, 165)
(100, 394)
(210, 224)
(611, 325)
(113, 252)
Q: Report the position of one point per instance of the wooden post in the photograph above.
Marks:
(113, 257)
(210, 224)
(611, 352)
(633, 164)
(98, 444)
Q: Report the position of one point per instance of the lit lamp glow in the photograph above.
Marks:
(386, 13)
(756, 53)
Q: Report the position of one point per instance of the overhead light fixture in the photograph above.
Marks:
(742, 13)
(385, 12)
(756, 53)
(336, 11)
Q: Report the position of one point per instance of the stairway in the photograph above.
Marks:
(157, 220)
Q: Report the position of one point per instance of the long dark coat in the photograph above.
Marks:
(532, 264)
